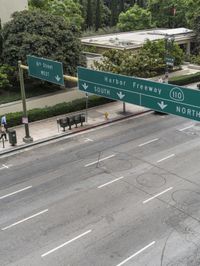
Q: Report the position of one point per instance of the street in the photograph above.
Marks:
(127, 193)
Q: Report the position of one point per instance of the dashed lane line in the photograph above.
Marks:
(66, 243)
(100, 160)
(110, 182)
(165, 158)
(23, 220)
(135, 254)
(148, 142)
(15, 192)
(157, 195)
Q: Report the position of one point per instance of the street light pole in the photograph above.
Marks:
(169, 40)
(166, 54)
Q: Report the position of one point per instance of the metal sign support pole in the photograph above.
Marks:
(27, 138)
(86, 108)
(124, 107)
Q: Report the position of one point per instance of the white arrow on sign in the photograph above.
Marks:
(120, 95)
(57, 78)
(85, 86)
(162, 105)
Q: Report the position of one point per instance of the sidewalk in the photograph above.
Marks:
(47, 129)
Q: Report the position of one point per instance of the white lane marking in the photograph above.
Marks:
(5, 166)
(15, 192)
(108, 183)
(182, 129)
(150, 141)
(171, 155)
(100, 160)
(137, 253)
(21, 221)
(87, 139)
(66, 243)
(145, 201)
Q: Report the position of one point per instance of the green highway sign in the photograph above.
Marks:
(158, 96)
(45, 69)
(169, 60)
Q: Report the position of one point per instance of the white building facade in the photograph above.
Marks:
(7, 7)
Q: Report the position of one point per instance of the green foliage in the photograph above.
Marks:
(1, 42)
(89, 16)
(14, 119)
(98, 17)
(170, 13)
(37, 4)
(135, 18)
(70, 10)
(197, 31)
(157, 50)
(6, 73)
(44, 35)
(185, 79)
(195, 59)
(149, 61)
(192, 12)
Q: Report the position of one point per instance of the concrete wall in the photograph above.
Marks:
(7, 7)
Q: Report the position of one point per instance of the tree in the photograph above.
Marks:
(114, 11)
(170, 13)
(98, 17)
(6, 76)
(197, 31)
(135, 18)
(37, 4)
(193, 10)
(41, 34)
(157, 50)
(1, 42)
(70, 10)
(148, 62)
(89, 17)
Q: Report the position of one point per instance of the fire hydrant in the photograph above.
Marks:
(106, 115)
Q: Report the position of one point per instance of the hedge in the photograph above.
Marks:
(14, 119)
(185, 79)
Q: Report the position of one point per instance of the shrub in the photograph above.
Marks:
(185, 79)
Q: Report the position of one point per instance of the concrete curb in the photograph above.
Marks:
(24, 146)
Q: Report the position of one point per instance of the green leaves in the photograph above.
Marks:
(148, 62)
(5, 73)
(135, 18)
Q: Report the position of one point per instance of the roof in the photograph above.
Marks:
(135, 39)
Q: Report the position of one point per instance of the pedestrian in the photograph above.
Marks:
(4, 122)
(3, 132)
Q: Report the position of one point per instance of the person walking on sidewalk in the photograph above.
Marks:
(3, 132)
(4, 122)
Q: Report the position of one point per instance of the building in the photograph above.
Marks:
(135, 40)
(8, 7)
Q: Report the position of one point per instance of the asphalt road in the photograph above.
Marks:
(123, 194)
